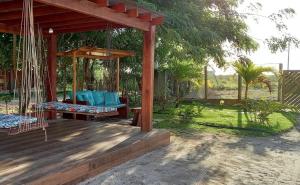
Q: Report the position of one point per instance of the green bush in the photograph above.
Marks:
(259, 110)
(189, 111)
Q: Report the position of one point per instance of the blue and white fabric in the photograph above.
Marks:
(59, 106)
(13, 120)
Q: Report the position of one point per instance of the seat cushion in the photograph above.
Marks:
(99, 97)
(79, 96)
(111, 98)
(88, 96)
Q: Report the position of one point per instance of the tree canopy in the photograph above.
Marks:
(197, 31)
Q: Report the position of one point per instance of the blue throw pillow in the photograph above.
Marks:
(98, 97)
(79, 96)
(88, 96)
(117, 98)
(111, 98)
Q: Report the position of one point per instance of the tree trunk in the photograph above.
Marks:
(92, 74)
(246, 91)
(177, 93)
(85, 73)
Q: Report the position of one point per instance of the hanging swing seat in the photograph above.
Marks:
(15, 124)
(96, 111)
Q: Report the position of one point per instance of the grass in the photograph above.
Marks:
(218, 119)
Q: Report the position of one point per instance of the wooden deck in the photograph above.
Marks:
(75, 151)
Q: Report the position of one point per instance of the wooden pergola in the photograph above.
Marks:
(70, 16)
(95, 53)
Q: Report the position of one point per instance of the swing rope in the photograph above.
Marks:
(30, 59)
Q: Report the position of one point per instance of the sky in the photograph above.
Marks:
(264, 28)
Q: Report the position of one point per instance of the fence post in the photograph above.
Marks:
(205, 83)
(280, 80)
(239, 88)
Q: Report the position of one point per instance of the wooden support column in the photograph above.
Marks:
(148, 79)
(74, 88)
(65, 81)
(118, 75)
(205, 83)
(52, 75)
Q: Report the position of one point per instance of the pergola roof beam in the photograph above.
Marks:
(92, 9)
(8, 29)
(133, 12)
(53, 19)
(86, 29)
(40, 11)
(74, 22)
(146, 17)
(97, 53)
(10, 6)
(119, 7)
(102, 3)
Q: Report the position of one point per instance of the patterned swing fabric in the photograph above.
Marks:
(76, 108)
(13, 122)
(30, 61)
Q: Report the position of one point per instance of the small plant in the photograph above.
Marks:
(189, 111)
(222, 102)
(260, 110)
(6, 99)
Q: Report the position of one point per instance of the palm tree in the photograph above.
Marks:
(252, 73)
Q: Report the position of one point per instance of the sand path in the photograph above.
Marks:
(214, 159)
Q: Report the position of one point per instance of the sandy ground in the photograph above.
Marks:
(213, 159)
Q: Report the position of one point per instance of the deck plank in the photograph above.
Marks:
(75, 151)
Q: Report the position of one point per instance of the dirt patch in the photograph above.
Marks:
(214, 159)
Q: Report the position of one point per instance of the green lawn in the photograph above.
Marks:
(228, 119)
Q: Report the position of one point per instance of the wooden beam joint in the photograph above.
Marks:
(102, 3)
(157, 21)
(119, 7)
(146, 17)
(133, 13)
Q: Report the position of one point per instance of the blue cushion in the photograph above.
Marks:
(98, 97)
(79, 96)
(111, 98)
(88, 96)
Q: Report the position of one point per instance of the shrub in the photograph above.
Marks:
(260, 110)
(189, 111)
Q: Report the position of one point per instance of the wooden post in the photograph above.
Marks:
(74, 88)
(148, 79)
(74, 81)
(65, 80)
(239, 88)
(52, 77)
(118, 75)
(280, 80)
(205, 83)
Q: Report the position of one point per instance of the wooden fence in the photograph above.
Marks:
(291, 87)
